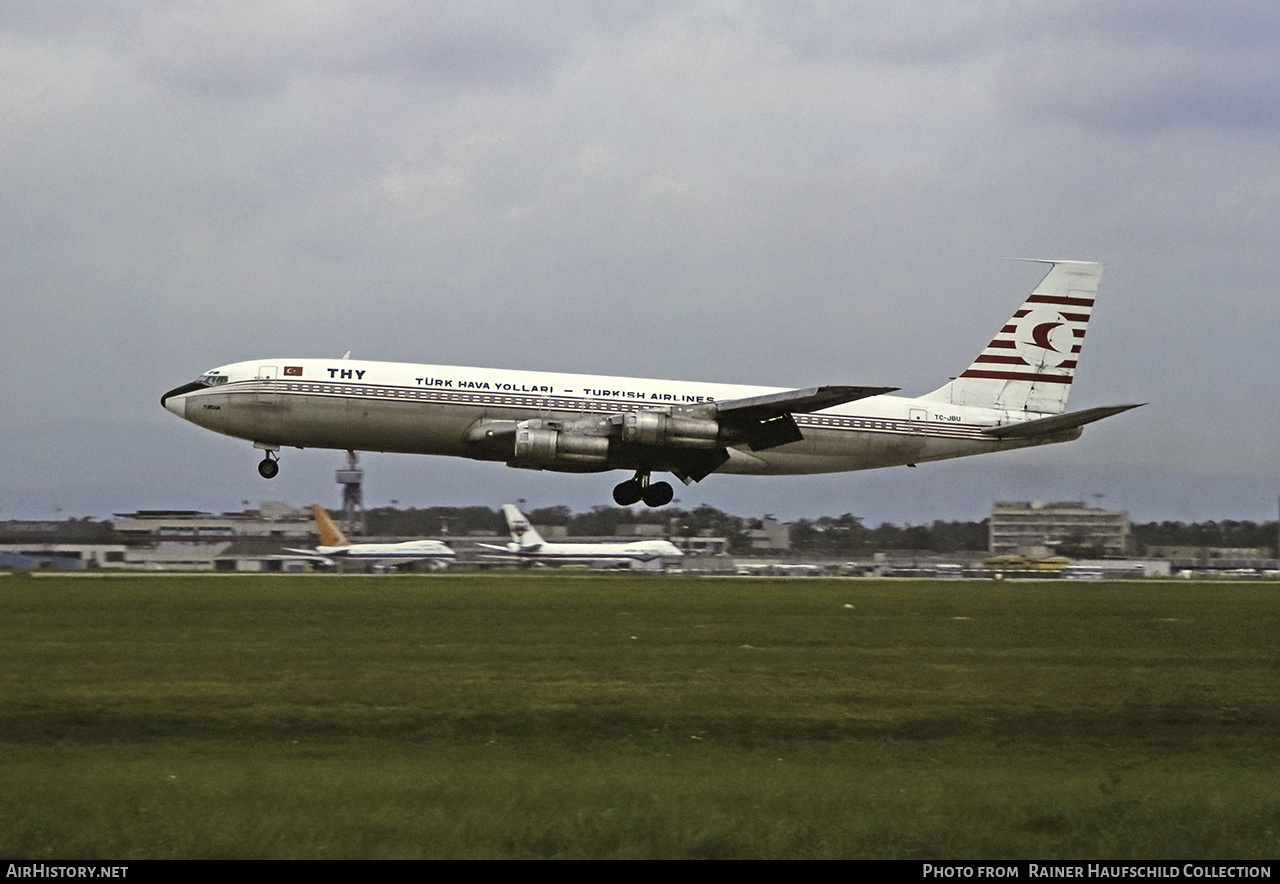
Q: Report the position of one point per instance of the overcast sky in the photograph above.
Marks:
(776, 193)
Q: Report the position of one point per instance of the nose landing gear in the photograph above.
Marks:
(638, 489)
(269, 465)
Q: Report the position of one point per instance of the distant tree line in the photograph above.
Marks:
(1228, 533)
(846, 535)
(385, 521)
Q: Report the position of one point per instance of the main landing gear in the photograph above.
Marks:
(638, 489)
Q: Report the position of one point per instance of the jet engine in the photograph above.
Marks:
(678, 431)
(545, 442)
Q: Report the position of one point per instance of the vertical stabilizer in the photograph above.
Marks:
(1030, 363)
(523, 535)
(330, 534)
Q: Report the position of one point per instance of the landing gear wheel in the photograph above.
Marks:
(658, 494)
(268, 467)
(628, 492)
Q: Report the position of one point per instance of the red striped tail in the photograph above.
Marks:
(1030, 363)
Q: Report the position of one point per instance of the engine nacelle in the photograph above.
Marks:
(538, 444)
(678, 431)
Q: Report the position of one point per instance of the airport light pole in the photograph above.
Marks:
(352, 479)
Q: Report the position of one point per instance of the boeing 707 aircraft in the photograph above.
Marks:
(334, 546)
(1014, 395)
(527, 545)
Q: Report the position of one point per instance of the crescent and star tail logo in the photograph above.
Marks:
(1045, 339)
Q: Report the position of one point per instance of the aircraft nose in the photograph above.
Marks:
(173, 400)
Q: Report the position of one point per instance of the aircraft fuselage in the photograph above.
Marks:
(443, 410)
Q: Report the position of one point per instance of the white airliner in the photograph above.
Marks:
(1014, 395)
(527, 544)
(334, 546)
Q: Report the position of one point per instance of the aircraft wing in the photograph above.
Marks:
(304, 553)
(805, 401)
(507, 548)
(1057, 423)
(765, 421)
(310, 554)
(695, 439)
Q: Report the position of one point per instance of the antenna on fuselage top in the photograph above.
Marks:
(346, 355)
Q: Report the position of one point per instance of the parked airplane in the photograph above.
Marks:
(527, 544)
(1013, 395)
(334, 546)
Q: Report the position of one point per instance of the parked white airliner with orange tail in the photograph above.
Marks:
(1014, 395)
(335, 546)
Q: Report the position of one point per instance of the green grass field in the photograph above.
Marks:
(580, 715)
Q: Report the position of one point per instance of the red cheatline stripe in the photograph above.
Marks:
(1055, 299)
(1019, 376)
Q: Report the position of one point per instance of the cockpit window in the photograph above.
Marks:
(212, 379)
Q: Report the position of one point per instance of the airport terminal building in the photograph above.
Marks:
(168, 540)
(1038, 528)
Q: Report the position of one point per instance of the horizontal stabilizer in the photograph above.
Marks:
(759, 408)
(1056, 424)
